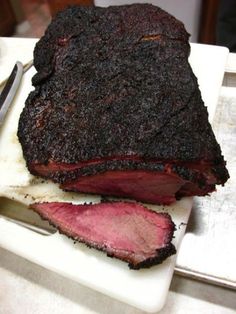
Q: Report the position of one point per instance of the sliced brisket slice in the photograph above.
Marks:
(125, 230)
(117, 109)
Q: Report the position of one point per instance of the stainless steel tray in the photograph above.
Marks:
(208, 249)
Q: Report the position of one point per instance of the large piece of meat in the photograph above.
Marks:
(125, 230)
(117, 109)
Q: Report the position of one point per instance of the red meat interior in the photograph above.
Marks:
(153, 187)
(126, 230)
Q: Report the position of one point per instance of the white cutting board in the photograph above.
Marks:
(144, 289)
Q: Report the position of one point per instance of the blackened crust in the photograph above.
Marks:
(106, 88)
(162, 255)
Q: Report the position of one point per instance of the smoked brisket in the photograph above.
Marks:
(116, 108)
(125, 230)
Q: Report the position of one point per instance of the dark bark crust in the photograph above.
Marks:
(116, 82)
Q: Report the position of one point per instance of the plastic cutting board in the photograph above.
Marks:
(144, 289)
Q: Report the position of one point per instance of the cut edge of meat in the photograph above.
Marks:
(214, 172)
(117, 177)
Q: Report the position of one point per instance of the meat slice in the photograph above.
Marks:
(125, 230)
(117, 109)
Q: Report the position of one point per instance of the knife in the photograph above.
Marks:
(10, 210)
(20, 214)
(10, 89)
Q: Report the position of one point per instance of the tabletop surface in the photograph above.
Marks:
(28, 288)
